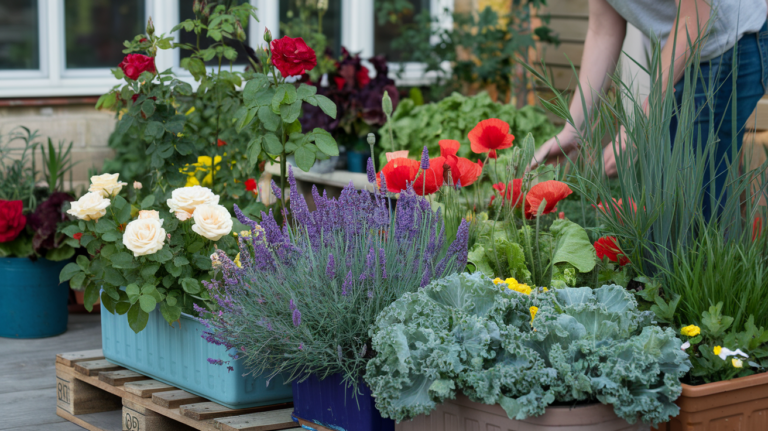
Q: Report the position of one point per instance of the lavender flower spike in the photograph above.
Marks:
(383, 185)
(425, 158)
(347, 284)
(330, 269)
(371, 171)
(296, 318)
(276, 190)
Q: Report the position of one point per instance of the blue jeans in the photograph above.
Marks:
(751, 85)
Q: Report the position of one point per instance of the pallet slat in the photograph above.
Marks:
(120, 377)
(209, 410)
(266, 421)
(175, 399)
(145, 388)
(69, 359)
(93, 368)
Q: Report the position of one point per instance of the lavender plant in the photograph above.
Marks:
(301, 299)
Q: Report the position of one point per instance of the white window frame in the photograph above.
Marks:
(52, 79)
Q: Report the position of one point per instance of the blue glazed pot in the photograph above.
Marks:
(330, 404)
(357, 162)
(32, 302)
(178, 355)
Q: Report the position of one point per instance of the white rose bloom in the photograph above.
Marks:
(144, 236)
(149, 214)
(106, 184)
(90, 206)
(186, 199)
(212, 221)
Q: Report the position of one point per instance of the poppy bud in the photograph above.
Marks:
(371, 139)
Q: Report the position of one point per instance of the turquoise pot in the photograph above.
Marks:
(32, 302)
(178, 355)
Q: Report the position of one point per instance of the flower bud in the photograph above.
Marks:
(386, 104)
(267, 35)
(371, 139)
(150, 27)
(196, 7)
(239, 32)
(137, 185)
(322, 5)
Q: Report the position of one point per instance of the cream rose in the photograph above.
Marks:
(106, 184)
(149, 214)
(212, 221)
(183, 201)
(90, 206)
(144, 236)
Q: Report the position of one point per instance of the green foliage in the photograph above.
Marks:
(453, 117)
(17, 168)
(463, 333)
(305, 20)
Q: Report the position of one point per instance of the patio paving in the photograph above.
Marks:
(28, 375)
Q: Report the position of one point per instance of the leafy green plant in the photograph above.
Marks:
(463, 333)
(305, 20)
(57, 163)
(17, 174)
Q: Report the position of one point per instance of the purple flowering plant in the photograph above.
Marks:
(303, 296)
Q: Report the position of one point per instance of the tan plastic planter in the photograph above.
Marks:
(462, 414)
(734, 405)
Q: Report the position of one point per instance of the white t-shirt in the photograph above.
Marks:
(730, 20)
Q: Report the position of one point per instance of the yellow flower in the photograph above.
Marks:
(737, 363)
(512, 284)
(533, 311)
(191, 110)
(245, 234)
(497, 280)
(717, 350)
(237, 261)
(690, 331)
(204, 164)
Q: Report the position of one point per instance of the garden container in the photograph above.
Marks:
(321, 166)
(32, 302)
(178, 355)
(734, 405)
(462, 414)
(357, 161)
(329, 403)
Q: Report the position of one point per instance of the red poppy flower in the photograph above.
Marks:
(492, 155)
(463, 170)
(607, 247)
(399, 172)
(512, 193)
(491, 134)
(77, 236)
(362, 77)
(250, 185)
(552, 191)
(396, 155)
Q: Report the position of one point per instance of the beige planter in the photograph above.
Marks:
(462, 414)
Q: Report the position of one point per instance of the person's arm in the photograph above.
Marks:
(602, 47)
(690, 26)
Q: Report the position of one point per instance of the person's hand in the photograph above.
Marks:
(555, 148)
(609, 156)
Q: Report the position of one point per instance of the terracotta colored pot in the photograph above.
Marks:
(734, 405)
(462, 414)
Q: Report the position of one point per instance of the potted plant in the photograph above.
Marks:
(308, 293)
(32, 250)
(531, 353)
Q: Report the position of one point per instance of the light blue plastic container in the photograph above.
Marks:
(179, 356)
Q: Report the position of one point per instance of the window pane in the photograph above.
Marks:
(95, 30)
(19, 35)
(386, 33)
(291, 22)
(185, 13)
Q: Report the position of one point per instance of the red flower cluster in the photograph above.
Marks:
(607, 247)
(550, 191)
(134, 65)
(12, 221)
(463, 171)
(401, 171)
(292, 56)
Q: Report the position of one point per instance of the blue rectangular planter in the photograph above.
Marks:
(330, 404)
(179, 356)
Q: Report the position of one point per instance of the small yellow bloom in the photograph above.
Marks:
(497, 280)
(737, 363)
(237, 261)
(717, 350)
(191, 110)
(245, 234)
(533, 311)
(690, 331)
(180, 135)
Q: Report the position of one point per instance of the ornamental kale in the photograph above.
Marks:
(524, 352)
(305, 296)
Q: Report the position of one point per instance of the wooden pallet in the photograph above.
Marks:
(88, 384)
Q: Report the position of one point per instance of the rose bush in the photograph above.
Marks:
(90, 206)
(106, 184)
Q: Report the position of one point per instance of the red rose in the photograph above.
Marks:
(607, 247)
(12, 222)
(362, 77)
(221, 143)
(134, 64)
(250, 185)
(292, 56)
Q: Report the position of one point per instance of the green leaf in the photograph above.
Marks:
(254, 150)
(715, 323)
(170, 312)
(108, 302)
(246, 119)
(76, 282)
(147, 202)
(137, 318)
(105, 225)
(665, 311)
(195, 246)
(304, 158)
(325, 142)
(148, 271)
(306, 91)
(180, 261)
(147, 303)
(71, 230)
(83, 262)
(122, 307)
(202, 262)
(191, 286)
(63, 252)
(113, 277)
(572, 245)
(326, 105)
(269, 119)
(69, 271)
(133, 292)
(173, 269)
(164, 255)
(123, 260)
(272, 144)
(290, 113)
(155, 129)
(254, 86)
(124, 215)
(91, 296)
(148, 107)
(277, 99)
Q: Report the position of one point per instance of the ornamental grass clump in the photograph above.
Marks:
(524, 349)
(304, 296)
